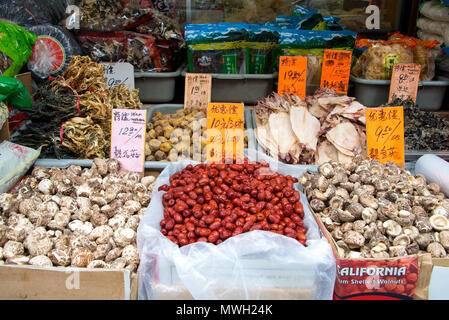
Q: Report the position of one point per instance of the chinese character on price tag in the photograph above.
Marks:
(404, 81)
(292, 76)
(225, 137)
(118, 73)
(198, 89)
(336, 69)
(385, 134)
(128, 138)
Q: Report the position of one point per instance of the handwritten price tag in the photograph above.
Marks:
(336, 69)
(292, 76)
(128, 138)
(118, 73)
(225, 137)
(404, 81)
(385, 134)
(198, 89)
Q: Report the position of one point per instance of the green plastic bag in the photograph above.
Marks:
(15, 48)
(14, 93)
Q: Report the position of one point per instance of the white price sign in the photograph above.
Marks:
(118, 73)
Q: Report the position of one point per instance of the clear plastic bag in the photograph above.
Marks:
(253, 265)
(435, 11)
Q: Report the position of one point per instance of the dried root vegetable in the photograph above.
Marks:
(84, 138)
(75, 217)
(322, 128)
(378, 211)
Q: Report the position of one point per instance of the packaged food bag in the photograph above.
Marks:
(435, 10)
(216, 47)
(14, 93)
(260, 49)
(15, 48)
(253, 265)
(15, 160)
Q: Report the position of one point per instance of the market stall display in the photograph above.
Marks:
(75, 217)
(324, 127)
(250, 265)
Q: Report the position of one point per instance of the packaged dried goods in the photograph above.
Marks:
(236, 264)
(324, 127)
(75, 217)
(260, 49)
(216, 48)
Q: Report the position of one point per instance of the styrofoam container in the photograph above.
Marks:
(156, 87)
(246, 88)
(373, 93)
(172, 108)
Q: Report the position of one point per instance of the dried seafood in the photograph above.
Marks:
(423, 130)
(324, 127)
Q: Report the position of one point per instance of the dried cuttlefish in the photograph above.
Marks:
(375, 210)
(324, 127)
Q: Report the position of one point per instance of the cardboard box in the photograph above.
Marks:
(4, 132)
(401, 278)
(60, 283)
(26, 80)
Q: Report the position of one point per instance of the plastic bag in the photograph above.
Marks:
(14, 93)
(104, 47)
(253, 265)
(260, 48)
(53, 50)
(15, 48)
(162, 27)
(216, 47)
(25, 12)
(311, 44)
(142, 52)
(435, 11)
(15, 160)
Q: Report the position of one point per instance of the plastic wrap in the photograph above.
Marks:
(15, 160)
(162, 28)
(311, 44)
(25, 12)
(14, 93)
(104, 47)
(435, 169)
(435, 11)
(54, 48)
(142, 52)
(435, 27)
(15, 48)
(216, 47)
(253, 265)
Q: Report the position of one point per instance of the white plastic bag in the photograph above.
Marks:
(15, 160)
(253, 265)
(435, 10)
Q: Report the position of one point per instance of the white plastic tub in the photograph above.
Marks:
(373, 93)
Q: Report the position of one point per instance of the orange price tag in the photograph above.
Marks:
(198, 89)
(292, 76)
(404, 81)
(336, 69)
(385, 134)
(225, 138)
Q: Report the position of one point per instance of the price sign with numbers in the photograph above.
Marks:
(225, 137)
(404, 81)
(336, 69)
(198, 89)
(128, 138)
(385, 134)
(118, 73)
(292, 76)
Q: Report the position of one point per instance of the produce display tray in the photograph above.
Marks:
(156, 87)
(410, 156)
(246, 88)
(373, 93)
(171, 108)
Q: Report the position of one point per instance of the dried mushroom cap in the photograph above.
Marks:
(345, 216)
(38, 243)
(119, 263)
(401, 240)
(439, 223)
(42, 261)
(12, 249)
(369, 215)
(423, 224)
(95, 264)
(353, 239)
(397, 251)
(444, 239)
(424, 239)
(392, 228)
(411, 231)
(81, 257)
(326, 170)
(436, 250)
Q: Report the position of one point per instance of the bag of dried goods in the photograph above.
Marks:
(15, 48)
(223, 264)
(14, 93)
(262, 42)
(216, 47)
(311, 44)
(15, 160)
(435, 10)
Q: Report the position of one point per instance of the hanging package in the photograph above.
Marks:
(14, 93)
(15, 48)
(54, 48)
(216, 47)
(262, 42)
(25, 12)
